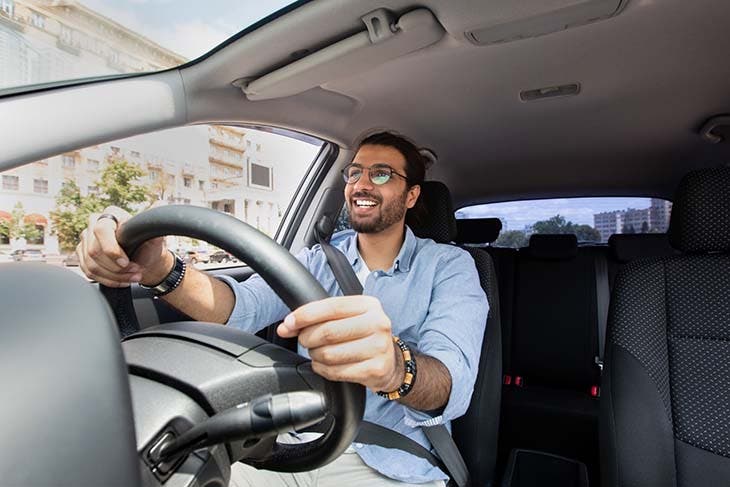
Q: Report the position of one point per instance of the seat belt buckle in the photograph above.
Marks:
(519, 381)
(595, 391)
(507, 380)
(599, 363)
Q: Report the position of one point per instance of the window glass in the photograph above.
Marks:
(592, 220)
(44, 207)
(44, 41)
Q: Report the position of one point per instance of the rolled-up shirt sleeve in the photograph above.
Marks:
(453, 333)
(257, 305)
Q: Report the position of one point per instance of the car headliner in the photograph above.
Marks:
(649, 77)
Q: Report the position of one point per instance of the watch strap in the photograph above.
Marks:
(172, 280)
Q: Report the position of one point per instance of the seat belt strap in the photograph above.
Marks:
(438, 435)
(374, 434)
(603, 296)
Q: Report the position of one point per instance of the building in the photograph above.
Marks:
(51, 40)
(654, 219)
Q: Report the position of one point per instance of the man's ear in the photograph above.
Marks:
(413, 193)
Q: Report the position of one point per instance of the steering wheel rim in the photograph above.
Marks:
(289, 279)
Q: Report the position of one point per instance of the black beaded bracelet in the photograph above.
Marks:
(409, 361)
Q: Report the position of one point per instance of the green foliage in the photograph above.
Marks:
(16, 227)
(71, 215)
(512, 238)
(558, 225)
(119, 185)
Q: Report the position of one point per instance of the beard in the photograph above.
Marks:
(386, 216)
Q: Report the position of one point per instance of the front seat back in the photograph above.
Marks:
(476, 432)
(665, 408)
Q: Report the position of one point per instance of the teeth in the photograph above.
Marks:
(366, 203)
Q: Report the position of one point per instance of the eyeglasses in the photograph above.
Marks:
(379, 174)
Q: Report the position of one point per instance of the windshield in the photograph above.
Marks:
(45, 41)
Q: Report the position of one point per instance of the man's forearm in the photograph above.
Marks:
(432, 387)
(202, 297)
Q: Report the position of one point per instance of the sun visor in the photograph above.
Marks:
(385, 39)
(571, 14)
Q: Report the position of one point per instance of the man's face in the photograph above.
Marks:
(376, 208)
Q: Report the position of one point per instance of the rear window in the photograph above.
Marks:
(592, 220)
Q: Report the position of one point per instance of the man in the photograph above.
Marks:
(425, 293)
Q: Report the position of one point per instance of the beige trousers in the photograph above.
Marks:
(348, 470)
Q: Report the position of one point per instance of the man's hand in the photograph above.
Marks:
(103, 260)
(349, 338)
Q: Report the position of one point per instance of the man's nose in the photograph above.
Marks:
(364, 182)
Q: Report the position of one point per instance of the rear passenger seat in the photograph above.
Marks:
(550, 325)
(547, 403)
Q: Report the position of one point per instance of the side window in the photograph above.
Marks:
(251, 174)
(591, 220)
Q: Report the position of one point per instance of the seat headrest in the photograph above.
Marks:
(628, 247)
(478, 230)
(438, 221)
(553, 247)
(700, 220)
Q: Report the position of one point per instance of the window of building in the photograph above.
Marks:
(260, 176)
(8, 6)
(38, 20)
(592, 220)
(186, 201)
(11, 183)
(66, 34)
(201, 184)
(135, 153)
(92, 189)
(154, 175)
(171, 180)
(40, 185)
(188, 182)
(258, 147)
(69, 162)
(93, 164)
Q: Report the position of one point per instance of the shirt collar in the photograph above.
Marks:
(402, 261)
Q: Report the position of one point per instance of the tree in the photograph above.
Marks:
(71, 215)
(645, 227)
(559, 225)
(586, 233)
(119, 185)
(511, 238)
(17, 227)
(556, 224)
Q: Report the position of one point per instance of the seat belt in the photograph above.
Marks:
(603, 296)
(371, 433)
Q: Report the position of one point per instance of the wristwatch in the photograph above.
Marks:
(172, 280)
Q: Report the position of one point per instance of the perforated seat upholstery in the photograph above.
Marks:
(476, 432)
(665, 408)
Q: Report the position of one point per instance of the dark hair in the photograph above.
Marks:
(415, 163)
(415, 169)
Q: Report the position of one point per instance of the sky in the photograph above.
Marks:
(189, 28)
(578, 210)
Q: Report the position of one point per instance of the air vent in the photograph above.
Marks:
(572, 14)
(550, 92)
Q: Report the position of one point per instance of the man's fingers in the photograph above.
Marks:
(329, 309)
(344, 330)
(105, 248)
(369, 373)
(100, 280)
(353, 351)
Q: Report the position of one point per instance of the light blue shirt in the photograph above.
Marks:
(436, 305)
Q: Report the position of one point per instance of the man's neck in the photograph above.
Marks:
(379, 250)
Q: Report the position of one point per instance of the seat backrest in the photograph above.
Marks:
(476, 432)
(554, 322)
(624, 248)
(665, 407)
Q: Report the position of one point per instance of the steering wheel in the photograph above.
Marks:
(291, 282)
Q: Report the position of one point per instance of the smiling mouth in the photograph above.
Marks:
(365, 203)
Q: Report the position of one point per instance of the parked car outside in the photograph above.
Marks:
(29, 255)
(222, 257)
(71, 260)
(197, 256)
